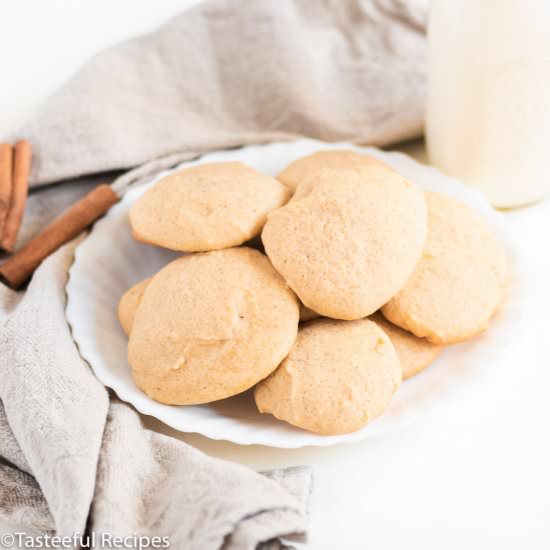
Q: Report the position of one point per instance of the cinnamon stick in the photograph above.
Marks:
(17, 270)
(20, 189)
(6, 184)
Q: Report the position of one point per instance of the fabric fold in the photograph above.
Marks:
(228, 73)
(155, 484)
(54, 405)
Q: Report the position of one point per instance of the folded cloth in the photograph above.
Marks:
(73, 459)
(232, 72)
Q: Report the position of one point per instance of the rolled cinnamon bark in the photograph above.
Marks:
(17, 270)
(20, 189)
(6, 182)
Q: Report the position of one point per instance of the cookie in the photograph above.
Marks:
(339, 376)
(348, 240)
(206, 207)
(211, 325)
(415, 354)
(129, 303)
(306, 167)
(460, 280)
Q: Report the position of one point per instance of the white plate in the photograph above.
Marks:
(109, 261)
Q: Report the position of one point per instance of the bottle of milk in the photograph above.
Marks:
(488, 116)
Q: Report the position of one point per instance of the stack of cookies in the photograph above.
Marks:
(358, 282)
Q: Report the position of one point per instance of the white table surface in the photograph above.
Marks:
(478, 480)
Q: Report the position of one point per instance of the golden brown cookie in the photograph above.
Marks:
(349, 239)
(414, 353)
(460, 280)
(306, 167)
(129, 303)
(210, 326)
(339, 376)
(206, 207)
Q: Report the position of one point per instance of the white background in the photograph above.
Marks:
(475, 479)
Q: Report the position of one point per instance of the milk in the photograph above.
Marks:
(488, 116)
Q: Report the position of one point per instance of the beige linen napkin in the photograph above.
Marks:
(227, 73)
